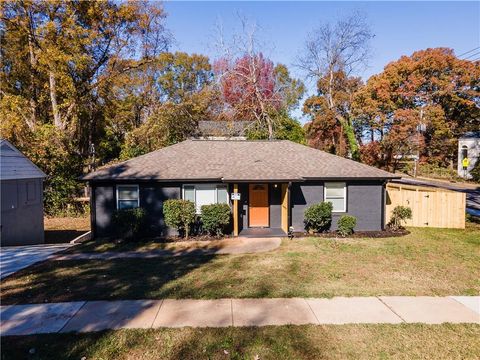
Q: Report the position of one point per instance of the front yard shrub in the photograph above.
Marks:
(399, 215)
(129, 223)
(475, 172)
(346, 224)
(318, 217)
(216, 218)
(180, 215)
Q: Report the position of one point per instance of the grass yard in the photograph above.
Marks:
(65, 229)
(426, 262)
(281, 342)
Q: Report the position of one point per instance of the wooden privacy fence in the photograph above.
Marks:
(431, 207)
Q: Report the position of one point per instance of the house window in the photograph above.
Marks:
(128, 197)
(336, 193)
(205, 194)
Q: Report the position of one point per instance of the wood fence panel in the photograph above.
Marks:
(431, 207)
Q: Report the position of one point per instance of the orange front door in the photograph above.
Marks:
(258, 210)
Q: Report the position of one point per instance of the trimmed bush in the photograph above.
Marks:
(129, 223)
(346, 224)
(216, 218)
(179, 214)
(318, 217)
(399, 215)
(475, 172)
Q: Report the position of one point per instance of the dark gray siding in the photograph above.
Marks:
(104, 198)
(302, 196)
(152, 197)
(364, 201)
(21, 212)
(275, 200)
(243, 207)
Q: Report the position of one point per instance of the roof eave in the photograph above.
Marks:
(353, 177)
(152, 179)
(273, 180)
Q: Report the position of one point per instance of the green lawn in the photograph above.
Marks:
(281, 342)
(426, 262)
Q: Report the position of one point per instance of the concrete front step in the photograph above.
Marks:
(99, 315)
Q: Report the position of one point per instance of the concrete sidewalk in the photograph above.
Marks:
(85, 316)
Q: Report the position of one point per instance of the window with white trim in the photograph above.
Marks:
(336, 193)
(128, 196)
(205, 194)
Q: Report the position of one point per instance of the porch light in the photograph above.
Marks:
(275, 185)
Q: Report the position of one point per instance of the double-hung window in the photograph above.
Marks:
(336, 193)
(205, 194)
(128, 196)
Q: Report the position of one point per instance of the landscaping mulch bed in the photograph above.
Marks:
(357, 234)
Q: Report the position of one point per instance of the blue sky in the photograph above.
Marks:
(400, 28)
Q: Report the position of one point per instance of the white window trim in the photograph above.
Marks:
(130, 185)
(344, 195)
(214, 187)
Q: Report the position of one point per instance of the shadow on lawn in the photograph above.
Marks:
(116, 279)
(187, 343)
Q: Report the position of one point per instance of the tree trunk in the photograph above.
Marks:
(57, 119)
(33, 90)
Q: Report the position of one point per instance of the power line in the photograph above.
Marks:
(465, 53)
(472, 55)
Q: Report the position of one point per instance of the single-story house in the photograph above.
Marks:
(268, 184)
(21, 183)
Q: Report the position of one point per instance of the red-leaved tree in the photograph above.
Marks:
(250, 88)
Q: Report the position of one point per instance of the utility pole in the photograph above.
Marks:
(420, 128)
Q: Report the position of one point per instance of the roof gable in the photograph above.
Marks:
(15, 165)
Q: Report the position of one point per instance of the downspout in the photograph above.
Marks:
(289, 204)
(384, 204)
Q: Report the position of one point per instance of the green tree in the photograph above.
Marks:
(180, 94)
(286, 128)
(55, 57)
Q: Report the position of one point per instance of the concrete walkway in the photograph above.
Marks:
(215, 247)
(85, 316)
(15, 258)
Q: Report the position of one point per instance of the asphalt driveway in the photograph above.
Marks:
(15, 258)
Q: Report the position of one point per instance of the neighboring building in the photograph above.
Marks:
(468, 148)
(222, 130)
(21, 183)
(276, 182)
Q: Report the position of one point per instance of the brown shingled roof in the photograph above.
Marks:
(226, 160)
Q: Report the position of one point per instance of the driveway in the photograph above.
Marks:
(15, 258)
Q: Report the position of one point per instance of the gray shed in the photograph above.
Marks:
(21, 183)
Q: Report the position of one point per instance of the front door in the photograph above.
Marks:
(258, 211)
